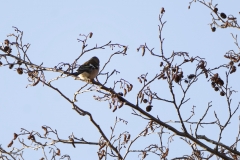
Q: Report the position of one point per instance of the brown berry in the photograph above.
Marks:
(216, 88)
(213, 84)
(149, 108)
(223, 15)
(191, 76)
(11, 66)
(20, 71)
(177, 78)
(213, 29)
(222, 93)
(215, 10)
(6, 42)
(15, 135)
(1, 63)
(233, 69)
(90, 35)
(145, 101)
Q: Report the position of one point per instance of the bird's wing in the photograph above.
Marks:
(85, 68)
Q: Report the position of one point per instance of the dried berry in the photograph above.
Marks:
(215, 10)
(191, 76)
(19, 62)
(231, 63)
(213, 29)
(222, 93)
(233, 69)
(1, 63)
(143, 51)
(11, 66)
(174, 69)
(15, 135)
(149, 108)
(220, 82)
(20, 71)
(162, 10)
(161, 63)
(186, 81)
(6, 42)
(177, 78)
(90, 35)
(145, 101)
(223, 15)
(213, 84)
(216, 88)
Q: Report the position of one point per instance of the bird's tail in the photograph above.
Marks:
(74, 74)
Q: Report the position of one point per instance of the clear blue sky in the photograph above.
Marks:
(52, 29)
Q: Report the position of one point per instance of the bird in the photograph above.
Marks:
(88, 70)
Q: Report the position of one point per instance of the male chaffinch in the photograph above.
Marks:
(88, 70)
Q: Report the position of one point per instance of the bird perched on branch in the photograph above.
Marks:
(88, 70)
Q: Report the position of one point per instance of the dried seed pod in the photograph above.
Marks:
(143, 51)
(177, 78)
(83, 46)
(216, 88)
(191, 76)
(121, 104)
(19, 62)
(145, 101)
(58, 152)
(191, 59)
(129, 136)
(231, 63)
(1, 63)
(115, 108)
(149, 108)
(142, 98)
(130, 88)
(215, 10)
(6, 48)
(213, 84)
(223, 15)
(90, 35)
(139, 79)
(220, 82)
(161, 64)
(125, 49)
(146, 132)
(38, 80)
(11, 66)
(222, 93)
(15, 135)
(10, 144)
(20, 71)
(6, 42)
(140, 95)
(110, 105)
(124, 92)
(213, 29)
(233, 69)
(162, 10)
